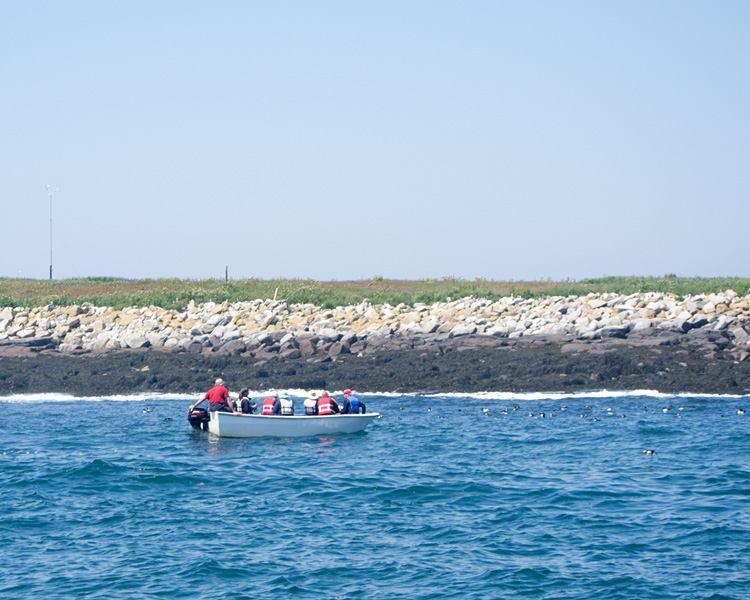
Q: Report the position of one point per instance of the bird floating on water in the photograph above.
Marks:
(649, 452)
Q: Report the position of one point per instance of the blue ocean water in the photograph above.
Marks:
(469, 497)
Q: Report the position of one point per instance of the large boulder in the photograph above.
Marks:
(290, 353)
(100, 341)
(135, 340)
(329, 334)
(463, 329)
(156, 338)
(231, 347)
(192, 346)
(338, 348)
(640, 325)
(307, 346)
(614, 332)
(218, 320)
(695, 322)
(430, 326)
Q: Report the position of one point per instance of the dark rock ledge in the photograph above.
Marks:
(699, 361)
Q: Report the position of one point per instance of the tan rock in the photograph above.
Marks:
(72, 311)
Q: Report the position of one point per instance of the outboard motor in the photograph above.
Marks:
(199, 418)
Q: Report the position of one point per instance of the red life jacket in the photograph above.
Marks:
(325, 406)
(268, 405)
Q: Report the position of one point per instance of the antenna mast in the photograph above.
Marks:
(51, 193)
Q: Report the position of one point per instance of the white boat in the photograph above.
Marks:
(242, 426)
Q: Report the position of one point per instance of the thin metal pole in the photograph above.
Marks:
(51, 193)
(50, 236)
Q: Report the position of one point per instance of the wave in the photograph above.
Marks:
(595, 394)
(298, 394)
(54, 397)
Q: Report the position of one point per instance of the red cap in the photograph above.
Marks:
(347, 392)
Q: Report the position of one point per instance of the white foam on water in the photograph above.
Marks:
(301, 394)
(593, 395)
(47, 398)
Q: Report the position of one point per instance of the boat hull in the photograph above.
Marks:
(243, 426)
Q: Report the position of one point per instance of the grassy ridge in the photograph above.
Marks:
(177, 293)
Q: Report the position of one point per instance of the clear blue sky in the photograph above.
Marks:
(346, 140)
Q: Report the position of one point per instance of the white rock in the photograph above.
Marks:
(156, 338)
(134, 340)
(497, 331)
(218, 319)
(329, 334)
(230, 334)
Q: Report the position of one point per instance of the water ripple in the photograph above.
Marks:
(102, 500)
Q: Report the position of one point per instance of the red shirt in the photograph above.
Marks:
(217, 395)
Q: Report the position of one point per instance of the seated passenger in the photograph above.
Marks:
(352, 404)
(287, 404)
(271, 405)
(311, 404)
(327, 405)
(218, 398)
(245, 405)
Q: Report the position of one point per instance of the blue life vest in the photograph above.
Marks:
(355, 405)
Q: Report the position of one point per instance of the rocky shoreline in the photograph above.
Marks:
(601, 341)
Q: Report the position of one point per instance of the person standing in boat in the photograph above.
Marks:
(311, 404)
(218, 398)
(352, 404)
(327, 405)
(287, 404)
(244, 403)
(271, 405)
